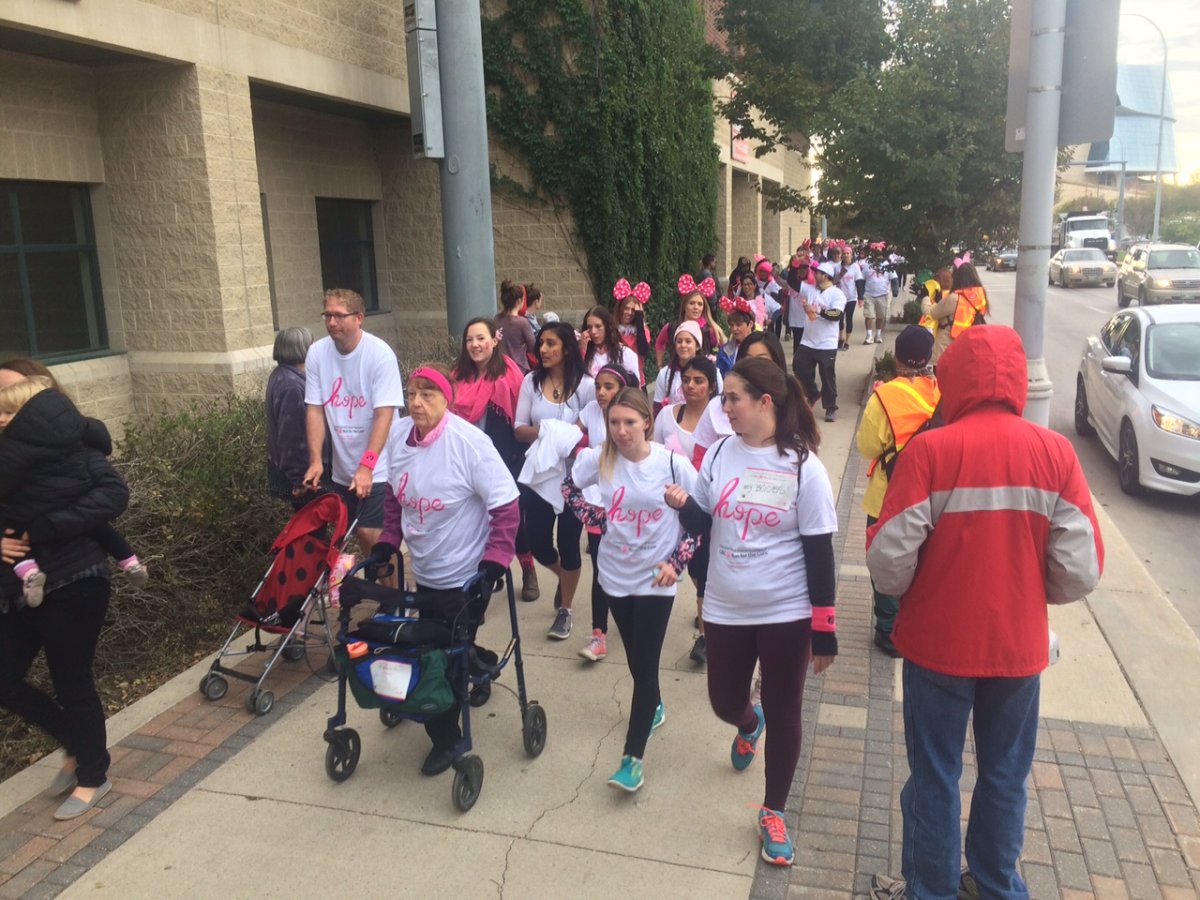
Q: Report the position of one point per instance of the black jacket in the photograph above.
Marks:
(56, 484)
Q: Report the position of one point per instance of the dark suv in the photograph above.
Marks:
(1159, 273)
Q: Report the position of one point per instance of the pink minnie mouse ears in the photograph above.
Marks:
(879, 246)
(687, 285)
(736, 304)
(641, 291)
(965, 258)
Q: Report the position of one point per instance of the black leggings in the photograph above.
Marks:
(642, 622)
(848, 318)
(67, 626)
(783, 650)
(599, 599)
(539, 532)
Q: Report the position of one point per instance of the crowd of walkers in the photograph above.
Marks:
(701, 458)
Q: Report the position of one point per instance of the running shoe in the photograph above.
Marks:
(869, 340)
(699, 652)
(831, 415)
(968, 887)
(746, 745)
(596, 648)
(886, 887)
(776, 845)
(630, 777)
(660, 716)
(561, 629)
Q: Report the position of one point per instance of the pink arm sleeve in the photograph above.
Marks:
(502, 538)
(393, 527)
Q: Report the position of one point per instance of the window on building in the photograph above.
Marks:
(348, 247)
(50, 300)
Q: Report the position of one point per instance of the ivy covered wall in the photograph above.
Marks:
(609, 105)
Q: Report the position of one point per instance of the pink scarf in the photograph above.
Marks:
(472, 398)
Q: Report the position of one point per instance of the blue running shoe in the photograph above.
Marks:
(630, 776)
(746, 745)
(660, 716)
(772, 831)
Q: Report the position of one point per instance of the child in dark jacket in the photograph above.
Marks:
(44, 447)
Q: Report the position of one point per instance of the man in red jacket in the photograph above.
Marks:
(986, 520)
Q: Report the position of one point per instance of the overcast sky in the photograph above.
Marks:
(1139, 42)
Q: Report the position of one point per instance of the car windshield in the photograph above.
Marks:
(1089, 255)
(1173, 351)
(1184, 258)
(1087, 225)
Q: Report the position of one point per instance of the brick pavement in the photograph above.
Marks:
(151, 769)
(1108, 815)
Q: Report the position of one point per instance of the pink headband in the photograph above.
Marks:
(617, 372)
(438, 379)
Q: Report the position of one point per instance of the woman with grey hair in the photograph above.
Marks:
(287, 444)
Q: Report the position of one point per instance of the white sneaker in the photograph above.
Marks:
(869, 340)
(33, 588)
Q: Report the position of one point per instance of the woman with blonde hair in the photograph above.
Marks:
(640, 558)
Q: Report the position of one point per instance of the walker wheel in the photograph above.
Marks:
(293, 652)
(213, 686)
(533, 729)
(260, 702)
(341, 756)
(390, 717)
(468, 781)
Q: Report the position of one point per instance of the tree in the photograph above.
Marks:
(609, 104)
(915, 154)
(788, 59)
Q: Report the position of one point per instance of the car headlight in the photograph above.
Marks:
(1074, 270)
(1161, 283)
(1168, 421)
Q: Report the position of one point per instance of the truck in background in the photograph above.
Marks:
(1082, 228)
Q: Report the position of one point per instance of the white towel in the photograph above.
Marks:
(546, 460)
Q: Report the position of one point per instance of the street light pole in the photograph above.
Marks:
(1162, 113)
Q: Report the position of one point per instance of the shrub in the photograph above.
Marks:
(912, 312)
(885, 367)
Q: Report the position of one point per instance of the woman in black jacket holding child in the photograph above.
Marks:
(57, 514)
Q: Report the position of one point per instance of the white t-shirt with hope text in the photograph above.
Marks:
(756, 573)
(445, 491)
(350, 387)
(642, 530)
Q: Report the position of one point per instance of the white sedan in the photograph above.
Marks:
(1138, 388)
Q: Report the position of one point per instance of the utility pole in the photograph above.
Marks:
(1038, 170)
(465, 175)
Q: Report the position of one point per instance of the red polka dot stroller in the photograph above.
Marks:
(291, 601)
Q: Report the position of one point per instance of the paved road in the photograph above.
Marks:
(1161, 528)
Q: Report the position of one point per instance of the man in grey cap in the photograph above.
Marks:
(896, 410)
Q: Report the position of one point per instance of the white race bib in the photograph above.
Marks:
(765, 487)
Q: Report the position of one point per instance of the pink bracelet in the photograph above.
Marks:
(369, 459)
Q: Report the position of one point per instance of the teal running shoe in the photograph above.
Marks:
(630, 776)
(745, 746)
(660, 716)
(776, 845)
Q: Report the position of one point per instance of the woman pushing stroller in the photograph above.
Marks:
(452, 498)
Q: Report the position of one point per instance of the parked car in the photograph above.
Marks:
(1001, 260)
(1159, 273)
(1138, 389)
(1088, 265)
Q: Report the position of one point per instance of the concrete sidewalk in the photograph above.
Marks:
(211, 802)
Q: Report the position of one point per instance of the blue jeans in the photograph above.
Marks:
(936, 710)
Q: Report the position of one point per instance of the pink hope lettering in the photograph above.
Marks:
(419, 505)
(748, 515)
(639, 517)
(348, 401)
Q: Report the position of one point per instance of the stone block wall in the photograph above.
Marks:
(745, 227)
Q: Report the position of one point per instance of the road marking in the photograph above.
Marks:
(1095, 309)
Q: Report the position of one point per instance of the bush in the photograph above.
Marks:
(885, 367)
(201, 519)
(912, 312)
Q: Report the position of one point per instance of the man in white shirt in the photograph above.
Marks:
(353, 388)
(818, 346)
(875, 305)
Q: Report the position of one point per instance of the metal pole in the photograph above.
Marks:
(1038, 171)
(465, 177)
(1121, 205)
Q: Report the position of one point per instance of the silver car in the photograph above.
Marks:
(1159, 273)
(1086, 265)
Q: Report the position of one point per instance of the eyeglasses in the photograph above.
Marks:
(331, 317)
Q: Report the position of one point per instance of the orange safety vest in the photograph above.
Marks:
(972, 301)
(908, 405)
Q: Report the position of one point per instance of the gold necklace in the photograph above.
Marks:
(557, 391)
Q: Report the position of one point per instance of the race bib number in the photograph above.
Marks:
(767, 488)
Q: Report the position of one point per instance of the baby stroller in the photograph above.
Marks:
(294, 587)
(416, 668)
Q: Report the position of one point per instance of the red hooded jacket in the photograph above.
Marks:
(986, 520)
